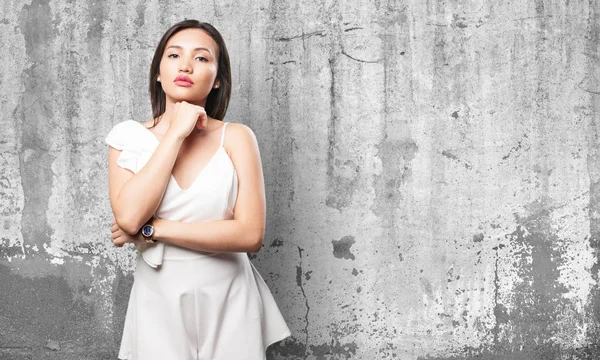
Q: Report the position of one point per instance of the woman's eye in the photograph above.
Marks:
(202, 58)
(172, 55)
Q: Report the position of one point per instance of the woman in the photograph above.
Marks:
(188, 191)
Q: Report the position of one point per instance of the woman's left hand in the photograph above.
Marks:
(120, 237)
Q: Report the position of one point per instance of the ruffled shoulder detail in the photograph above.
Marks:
(135, 142)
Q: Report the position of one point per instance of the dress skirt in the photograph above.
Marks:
(210, 307)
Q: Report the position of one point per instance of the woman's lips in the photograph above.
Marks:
(183, 83)
(183, 80)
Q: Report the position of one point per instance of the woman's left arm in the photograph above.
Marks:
(245, 232)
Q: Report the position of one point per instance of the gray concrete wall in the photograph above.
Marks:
(432, 172)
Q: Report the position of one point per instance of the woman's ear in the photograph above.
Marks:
(217, 84)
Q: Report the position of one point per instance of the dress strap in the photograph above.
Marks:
(223, 134)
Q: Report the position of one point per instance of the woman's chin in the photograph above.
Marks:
(179, 96)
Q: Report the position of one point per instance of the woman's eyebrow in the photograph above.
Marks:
(196, 49)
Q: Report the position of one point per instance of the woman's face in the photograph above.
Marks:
(191, 55)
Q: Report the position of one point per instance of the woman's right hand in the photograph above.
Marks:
(185, 117)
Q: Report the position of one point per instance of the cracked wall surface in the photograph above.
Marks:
(432, 172)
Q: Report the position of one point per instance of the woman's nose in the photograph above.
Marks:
(185, 65)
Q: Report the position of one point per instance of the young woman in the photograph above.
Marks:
(187, 189)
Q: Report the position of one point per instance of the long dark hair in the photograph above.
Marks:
(218, 99)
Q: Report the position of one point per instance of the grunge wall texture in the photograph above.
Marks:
(432, 171)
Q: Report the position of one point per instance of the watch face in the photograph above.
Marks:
(147, 230)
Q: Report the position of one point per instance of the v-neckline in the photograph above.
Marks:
(172, 176)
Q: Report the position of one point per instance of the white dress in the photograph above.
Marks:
(186, 304)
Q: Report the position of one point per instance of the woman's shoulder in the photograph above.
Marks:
(118, 134)
(239, 132)
(239, 138)
(126, 132)
(124, 126)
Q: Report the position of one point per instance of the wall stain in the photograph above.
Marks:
(293, 349)
(458, 21)
(96, 15)
(140, 10)
(33, 112)
(341, 248)
(342, 171)
(302, 36)
(290, 348)
(277, 242)
(451, 156)
(396, 148)
(500, 311)
(299, 283)
(427, 288)
(121, 292)
(516, 149)
(526, 329)
(280, 164)
(478, 237)
(538, 300)
(36, 310)
(334, 348)
(396, 157)
(541, 352)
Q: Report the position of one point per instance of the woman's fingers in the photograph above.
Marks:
(116, 234)
(185, 117)
(118, 238)
(202, 121)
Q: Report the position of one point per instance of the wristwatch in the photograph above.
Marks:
(148, 231)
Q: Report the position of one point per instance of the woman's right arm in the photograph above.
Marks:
(134, 198)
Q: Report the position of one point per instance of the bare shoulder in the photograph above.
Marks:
(239, 134)
(240, 140)
(238, 129)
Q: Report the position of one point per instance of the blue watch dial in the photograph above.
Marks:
(147, 230)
